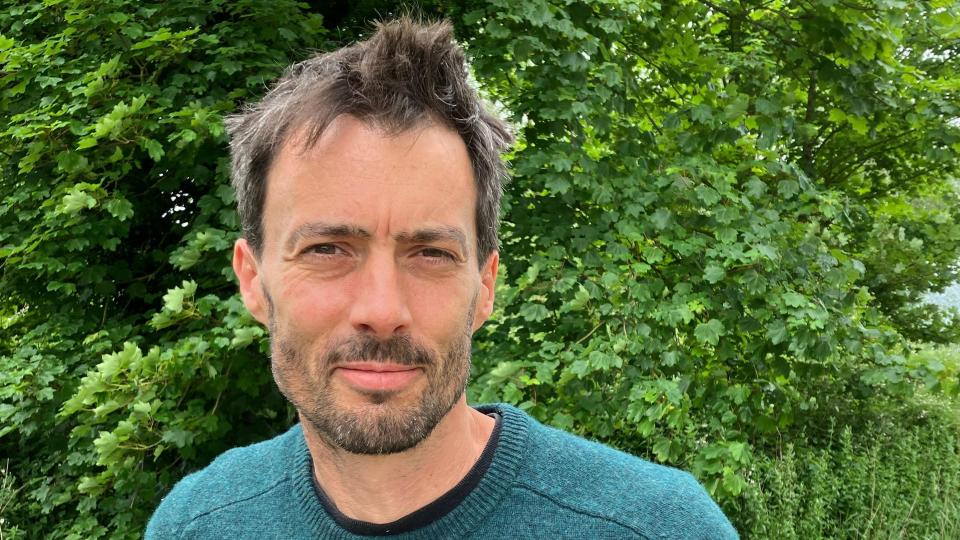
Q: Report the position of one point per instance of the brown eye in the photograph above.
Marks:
(437, 257)
(434, 253)
(323, 249)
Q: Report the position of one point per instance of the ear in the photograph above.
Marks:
(488, 289)
(247, 269)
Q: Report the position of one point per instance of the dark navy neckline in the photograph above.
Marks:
(428, 514)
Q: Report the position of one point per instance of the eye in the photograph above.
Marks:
(437, 255)
(323, 249)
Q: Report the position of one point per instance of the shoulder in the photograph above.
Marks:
(238, 476)
(596, 480)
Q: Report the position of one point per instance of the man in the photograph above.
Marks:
(368, 182)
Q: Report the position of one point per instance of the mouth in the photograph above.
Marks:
(377, 377)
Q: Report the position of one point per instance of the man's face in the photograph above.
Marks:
(369, 281)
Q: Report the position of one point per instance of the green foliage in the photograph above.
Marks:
(895, 477)
(723, 219)
(938, 367)
(8, 494)
(114, 379)
(687, 260)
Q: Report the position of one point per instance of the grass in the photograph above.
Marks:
(7, 494)
(895, 476)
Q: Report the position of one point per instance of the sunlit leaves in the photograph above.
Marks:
(724, 248)
(114, 181)
(709, 332)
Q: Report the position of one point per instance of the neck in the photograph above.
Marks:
(382, 489)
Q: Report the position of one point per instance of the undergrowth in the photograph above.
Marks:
(895, 474)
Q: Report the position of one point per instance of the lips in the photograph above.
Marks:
(377, 377)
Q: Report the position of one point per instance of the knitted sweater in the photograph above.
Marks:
(541, 483)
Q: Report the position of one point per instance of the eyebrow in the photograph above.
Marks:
(315, 229)
(434, 234)
(345, 230)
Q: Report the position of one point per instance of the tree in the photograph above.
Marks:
(693, 248)
(115, 202)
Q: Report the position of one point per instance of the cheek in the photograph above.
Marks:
(443, 312)
(312, 309)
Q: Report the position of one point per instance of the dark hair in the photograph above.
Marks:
(406, 73)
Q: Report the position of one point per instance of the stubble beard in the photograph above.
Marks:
(384, 424)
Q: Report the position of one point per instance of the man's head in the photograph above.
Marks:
(368, 181)
(406, 74)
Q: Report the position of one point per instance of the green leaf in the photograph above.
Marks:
(662, 449)
(602, 361)
(733, 483)
(142, 407)
(244, 336)
(754, 282)
(77, 200)
(153, 148)
(119, 208)
(859, 124)
(173, 300)
(473, 17)
(756, 188)
(709, 332)
(718, 27)
(836, 115)
(793, 299)
(534, 312)
(580, 368)
(106, 445)
(72, 162)
(179, 437)
(702, 113)
(736, 108)
(661, 218)
(714, 274)
(788, 188)
(708, 195)
(505, 370)
(92, 485)
(777, 332)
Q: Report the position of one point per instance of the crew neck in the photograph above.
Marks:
(458, 519)
(425, 515)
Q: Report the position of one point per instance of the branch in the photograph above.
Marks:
(865, 154)
(807, 160)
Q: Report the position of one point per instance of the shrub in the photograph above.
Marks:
(895, 475)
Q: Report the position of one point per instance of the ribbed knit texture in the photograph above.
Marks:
(542, 483)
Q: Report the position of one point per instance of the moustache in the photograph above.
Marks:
(398, 349)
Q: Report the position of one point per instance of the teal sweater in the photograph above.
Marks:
(541, 483)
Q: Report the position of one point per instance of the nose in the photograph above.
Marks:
(380, 306)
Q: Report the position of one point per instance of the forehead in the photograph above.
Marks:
(359, 175)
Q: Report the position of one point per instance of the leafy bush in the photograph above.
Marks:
(938, 367)
(693, 247)
(114, 192)
(8, 493)
(896, 476)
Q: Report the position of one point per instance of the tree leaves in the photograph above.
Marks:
(709, 332)
(731, 235)
(714, 274)
(77, 200)
(113, 178)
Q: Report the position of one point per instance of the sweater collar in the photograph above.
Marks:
(474, 508)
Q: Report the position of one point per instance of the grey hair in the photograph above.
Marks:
(405, 74)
